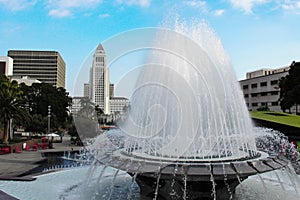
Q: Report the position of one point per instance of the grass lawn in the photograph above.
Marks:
(277, 117)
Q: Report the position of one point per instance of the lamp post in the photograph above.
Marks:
(49, 116)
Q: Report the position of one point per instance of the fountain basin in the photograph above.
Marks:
(190, 178)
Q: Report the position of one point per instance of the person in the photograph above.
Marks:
(50, 144)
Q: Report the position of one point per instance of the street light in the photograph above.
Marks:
(49, 116)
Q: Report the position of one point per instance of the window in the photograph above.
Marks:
(254, 104)
(274, 93)
(245, 87)
(263, 84)
(275, 103)
(246, 95)
(264, 94)
(264, 104)
(254, 85)
(254, 95)
(274, 82)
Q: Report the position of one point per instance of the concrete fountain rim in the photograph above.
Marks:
(195, 170)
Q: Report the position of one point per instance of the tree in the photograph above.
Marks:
(37, 124)
(88, 109)
(290, 88)
(86, 120)
(40, 95)
(11, 105)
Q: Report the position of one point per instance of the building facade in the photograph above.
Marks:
(6, 66)
(111, 90)
(76, 105)
(261, 88)
(45, 66)
(86, 90)
(100, 90)
(118, 105)
(99, 80)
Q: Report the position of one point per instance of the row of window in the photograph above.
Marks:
(274, 103)
(30, 73)
(15, 57)
(35, 61)
(34, 69)
(261, 94)
(262, 84)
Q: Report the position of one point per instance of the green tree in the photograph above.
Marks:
(40, 95)
(11, 105)
(88, 109)
(86, 120)
(290, 88)
(37, 124)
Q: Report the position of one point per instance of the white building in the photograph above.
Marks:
(6, 65)
(99, 81)
(25, 79)
(86, 90)
(261, 88)
(118, 104)
(76, 105)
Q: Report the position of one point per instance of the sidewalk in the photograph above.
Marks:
(16, 164)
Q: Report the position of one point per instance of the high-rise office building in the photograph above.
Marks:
(99, 80)
(6, 66)
(45, 66)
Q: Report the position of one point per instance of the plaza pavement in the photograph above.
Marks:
(14, 165)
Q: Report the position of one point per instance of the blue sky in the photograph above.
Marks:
(255, 33)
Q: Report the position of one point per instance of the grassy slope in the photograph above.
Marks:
(277, 117)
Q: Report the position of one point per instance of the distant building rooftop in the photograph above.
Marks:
(26, 79)
(265, 72)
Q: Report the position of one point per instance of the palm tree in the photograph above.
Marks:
(87, 109)
(11, 105)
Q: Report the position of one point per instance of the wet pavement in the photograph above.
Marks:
(18, 164)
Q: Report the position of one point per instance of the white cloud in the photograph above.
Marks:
(195, 3)
(104, 15)
(142, 3)
(16, 5)
(247, 5)
(73, 3)
(65, 8)
(219, 12)
(291, 5)
(60, 13)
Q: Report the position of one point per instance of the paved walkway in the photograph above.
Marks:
(16, 164)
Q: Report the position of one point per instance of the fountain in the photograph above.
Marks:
(188, 134)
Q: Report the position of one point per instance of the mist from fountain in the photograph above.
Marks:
(187, 103)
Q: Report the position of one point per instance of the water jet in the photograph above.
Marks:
(188, 134)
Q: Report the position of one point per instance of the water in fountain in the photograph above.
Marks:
(187, 103)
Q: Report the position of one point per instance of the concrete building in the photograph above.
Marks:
(261, 88)
(76, 105)
(6, 66)
(86, 90)
(101, 91)
(118, 104)
(45, 66)
(99, 80)
(111, 90)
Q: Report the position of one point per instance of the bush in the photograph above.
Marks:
(264, 108)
